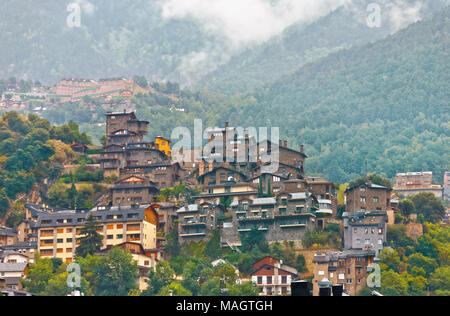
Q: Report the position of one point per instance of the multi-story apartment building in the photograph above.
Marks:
(291, 162)
(231, 190)
(285, 217)
(368, 197)
(75, 89)
(124, 128)
(365, 230)
(132, 190)
(349, 268)
(413, 183)
(142, 167)
(59, 232)
(196, 222)
(272, 277)
(219, 175)
(163, 174)
(233, 146)
(413, 178)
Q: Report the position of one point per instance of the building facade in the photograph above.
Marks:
(365, 231)
(272, 277)
(196, 222)
(412, 183)
(349, 268)
(59, 232)
(285, 217)
(367, 197)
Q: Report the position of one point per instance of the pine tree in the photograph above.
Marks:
(92, 241)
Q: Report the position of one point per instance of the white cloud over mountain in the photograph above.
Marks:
(249, 21)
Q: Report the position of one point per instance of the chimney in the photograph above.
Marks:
(302, 149)
(285, 143)
(227, 124)
(281, 143)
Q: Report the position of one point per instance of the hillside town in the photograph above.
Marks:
(161, 199)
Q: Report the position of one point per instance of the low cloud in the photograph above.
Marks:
(401, 14)
(248, 21)
(240, 24)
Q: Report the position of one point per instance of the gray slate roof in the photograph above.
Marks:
(13, 267)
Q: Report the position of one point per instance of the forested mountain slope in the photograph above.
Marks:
(386, 103)
(116, 38)
(300, 44)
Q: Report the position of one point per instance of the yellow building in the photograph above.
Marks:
(163, 145)
(59, 232)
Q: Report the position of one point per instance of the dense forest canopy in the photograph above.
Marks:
(31, 150)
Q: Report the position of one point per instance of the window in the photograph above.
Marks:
(375, 200)
(260, 280)
(363, 199)
(283, 279)
(69, 240)
(269, 280)
(380, 241)
(367, 241)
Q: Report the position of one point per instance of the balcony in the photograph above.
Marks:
(248, 229)
(188, 234)
(292, 213)
(292, 225)
(194, 223)
(256, 218)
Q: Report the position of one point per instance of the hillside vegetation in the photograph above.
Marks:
(32, 150)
